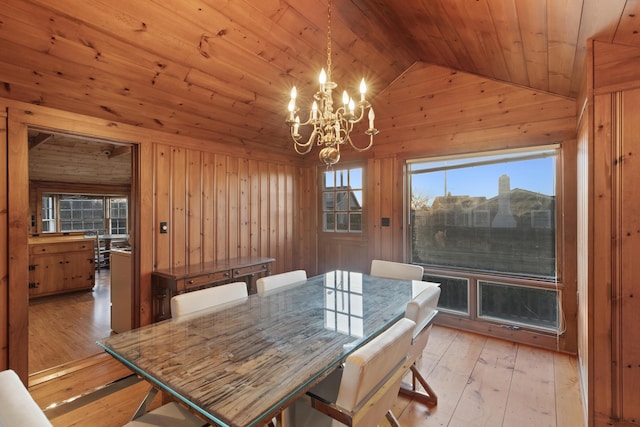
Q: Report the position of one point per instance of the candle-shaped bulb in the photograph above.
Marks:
(292, 107)
(363, 89)
(345, 98)
(372, 116)
(294, 93)
(296, 125)
(323, 77)
(314, 110)
(352, 106)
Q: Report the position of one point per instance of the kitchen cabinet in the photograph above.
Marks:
(60, 263)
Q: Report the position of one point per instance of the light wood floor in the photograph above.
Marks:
(64, 328)
(480, 381)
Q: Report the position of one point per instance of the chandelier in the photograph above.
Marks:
(330, 129)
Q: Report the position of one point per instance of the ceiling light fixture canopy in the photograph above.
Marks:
(330, 129)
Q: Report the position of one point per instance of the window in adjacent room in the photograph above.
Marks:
(486, 224)
(118, 217)
(48, 214)
(81, 213)
(88, 213)
(342, 200)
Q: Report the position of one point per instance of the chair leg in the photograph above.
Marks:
(392, 419)
(428, 397)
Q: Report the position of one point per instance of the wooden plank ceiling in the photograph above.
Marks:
(222, 70)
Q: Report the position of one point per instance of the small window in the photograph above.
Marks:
(454, 293)
(48, 214)
(342, 200)
(519, 305)
(118, 216)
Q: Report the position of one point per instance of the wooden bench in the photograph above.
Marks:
(17, 407)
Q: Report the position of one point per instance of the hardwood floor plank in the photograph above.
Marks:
(64, 328)
(531, 400)
(568, 398)
(78, 382)
(448, 379)
(113, 410)
(484, 399)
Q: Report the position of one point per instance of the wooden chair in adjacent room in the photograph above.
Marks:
(422, 310)
(268, 283)
(193, 301)
(361, 393)
(396, 270)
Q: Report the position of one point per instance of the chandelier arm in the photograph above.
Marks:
(303, 144)
(308, 122)
(304, 148)
(365, 148)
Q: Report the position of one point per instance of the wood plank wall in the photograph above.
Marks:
(432, 110)
(219, 206)
(4, 258)
(613, 361)
(219, 201)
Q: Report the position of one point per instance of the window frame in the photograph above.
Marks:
(472, 320)
(348, 167)
(106, 208)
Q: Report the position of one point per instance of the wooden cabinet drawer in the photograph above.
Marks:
(253, 269)
(198, 281)
(60, 248)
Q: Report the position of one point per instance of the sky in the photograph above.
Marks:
(537, 175)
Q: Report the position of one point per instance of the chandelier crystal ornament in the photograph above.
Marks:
(330, 129)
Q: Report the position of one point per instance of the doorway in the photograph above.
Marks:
(76, 185)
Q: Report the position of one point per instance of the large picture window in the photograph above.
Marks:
(490, 215)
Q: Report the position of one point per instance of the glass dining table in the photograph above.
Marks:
(242, 363)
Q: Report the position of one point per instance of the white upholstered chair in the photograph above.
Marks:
(422, 309)
(268, 283)
(396, 270)
(361, 393)
(190, 302)
(17, 407)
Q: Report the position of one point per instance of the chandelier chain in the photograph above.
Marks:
(329, 40)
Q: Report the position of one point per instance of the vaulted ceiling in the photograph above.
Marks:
(222, 70)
